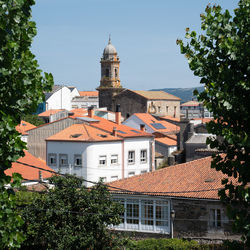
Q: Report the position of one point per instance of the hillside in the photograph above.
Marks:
(186, 94)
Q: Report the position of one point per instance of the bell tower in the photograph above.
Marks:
(110, 84)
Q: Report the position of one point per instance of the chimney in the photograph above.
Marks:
(142, 127)
(91, 112)
(118, 114)
(114, 131)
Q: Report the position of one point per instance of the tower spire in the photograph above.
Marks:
(109, 39)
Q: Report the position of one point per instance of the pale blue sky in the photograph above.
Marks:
(72, 35)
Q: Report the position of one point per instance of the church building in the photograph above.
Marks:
(112, 94)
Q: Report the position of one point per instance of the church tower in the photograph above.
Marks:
(110, 84)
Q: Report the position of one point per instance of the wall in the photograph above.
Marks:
(190, 150)
(91, 151)
(130, 103)
(36, 139)
(61, 99)
(192, 219)
(85, 102)
(164, 149)
(134, 122)
(163, 104)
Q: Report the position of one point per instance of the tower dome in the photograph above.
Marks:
(109, 49)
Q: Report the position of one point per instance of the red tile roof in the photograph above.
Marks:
(83, 133)
(195, 179)
(149, 120)
(122, 130)
(190, 103)
(23, 127)
(79, 112)
(88, 93)
(166, 141)
(50, 112)
(168, 117)
(27, 172)
(156, 95)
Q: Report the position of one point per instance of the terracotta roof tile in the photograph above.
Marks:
(150, 120)
(29, 173)
(168, 117)
(83, 133)
(23, 127)
(194, 179)
(122, 130)
(88, 93)
(167, 141)
(156, 95)
(79, 112)
(50, 112)
(190, 103)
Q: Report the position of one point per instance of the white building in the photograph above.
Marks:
(101, 149)
(85, 100)
(60, 97)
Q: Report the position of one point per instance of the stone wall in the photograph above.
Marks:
(130, 103)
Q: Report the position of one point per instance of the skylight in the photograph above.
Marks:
(75, 135)
(157, 125)
(121, 132)
(135, 131)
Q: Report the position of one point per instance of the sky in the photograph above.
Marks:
(71, 36)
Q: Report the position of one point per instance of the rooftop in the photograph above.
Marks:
(156, 125)
(194, 179)
(162, 95)
(29, 173)
(50, 112)
(190, 103)
(166, 141)
(88, 93)
(23, 127)
(82, 133)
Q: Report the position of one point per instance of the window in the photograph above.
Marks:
(52, 159)
(74, 106)
(114, 178)
(145, 214)
(144, 171)
(131, 174)
(116, 74)
(78, 160)
(131, 157)
(174, 111)
(132, 212)
(107, 72)
(114, 159)
(102, 160)
(143, 156)
(159, 109)
(215, 218)
(167, 109)
(63, 160)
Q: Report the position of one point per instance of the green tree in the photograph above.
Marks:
(33, 119)
(21, 89)
(70, 216)
(221, 57)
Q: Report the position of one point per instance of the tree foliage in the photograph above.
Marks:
(33, 119)
(21, 89)
(221, 57)
(70, 216)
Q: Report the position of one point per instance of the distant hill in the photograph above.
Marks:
(186, 94)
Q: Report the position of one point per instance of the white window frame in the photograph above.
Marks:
(102, 160)
(114, 158)
(77, 157)
(103, 179)
(130, 174)
(131, 160)
(143, 158)
(158, 209)
(114, 178)
(52, 156)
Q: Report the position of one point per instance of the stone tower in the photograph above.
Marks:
(110, 84)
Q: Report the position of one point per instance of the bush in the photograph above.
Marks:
(160, 244)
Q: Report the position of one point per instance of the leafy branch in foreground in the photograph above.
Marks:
(221, 57)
